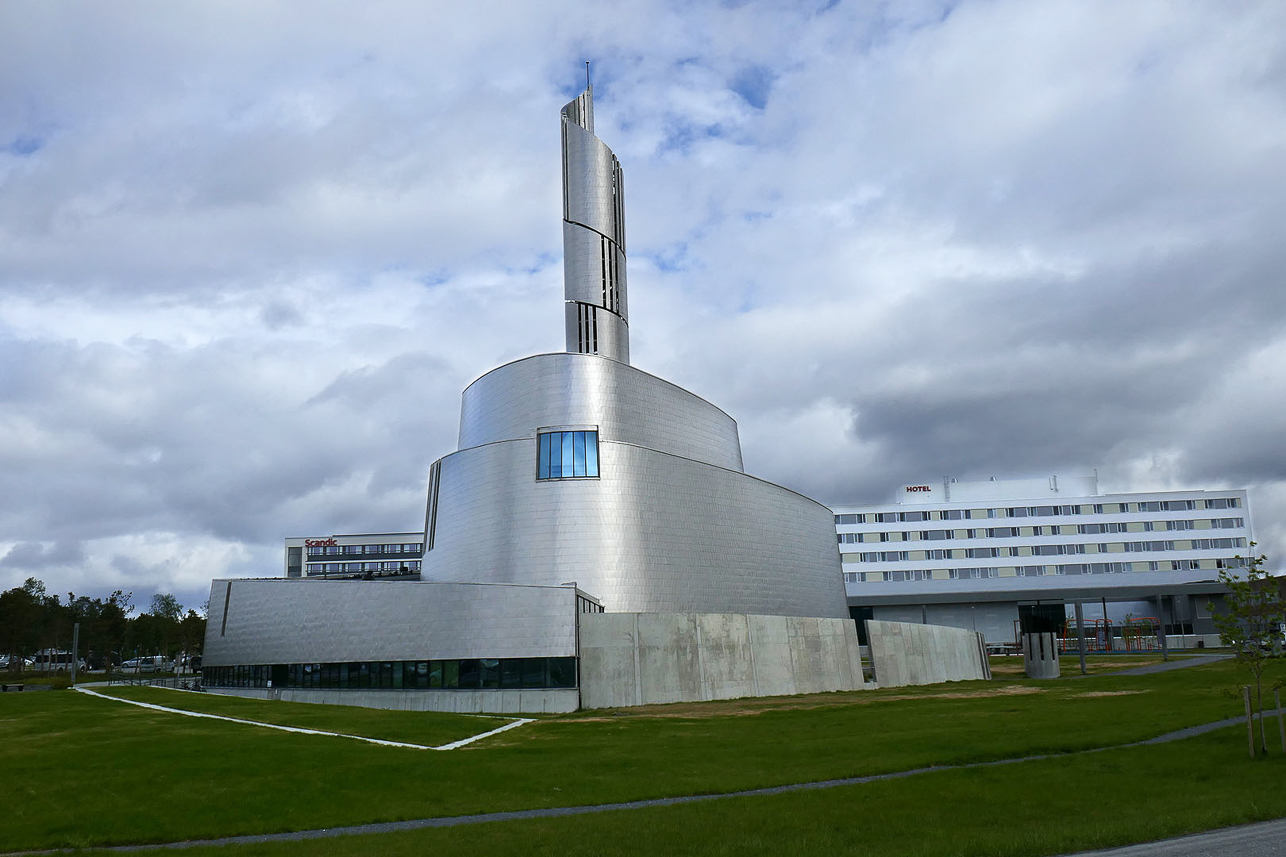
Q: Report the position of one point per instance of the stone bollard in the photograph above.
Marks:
(1040, 655)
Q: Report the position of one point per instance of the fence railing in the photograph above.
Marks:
(191, 682)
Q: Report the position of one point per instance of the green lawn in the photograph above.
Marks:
(1049, 807)
(109, 761)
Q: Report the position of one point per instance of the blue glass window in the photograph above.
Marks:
(567, 454)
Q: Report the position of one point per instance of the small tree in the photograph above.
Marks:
(1252, 623)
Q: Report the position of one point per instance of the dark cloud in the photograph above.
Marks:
(34, 556)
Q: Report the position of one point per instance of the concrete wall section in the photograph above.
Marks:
(903, 654)
(644, 658)
(549, 701)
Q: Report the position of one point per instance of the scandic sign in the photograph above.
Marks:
(914, 489)
(317, 543)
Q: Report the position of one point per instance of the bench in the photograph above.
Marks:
(11, 688)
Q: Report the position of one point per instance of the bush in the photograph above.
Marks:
(55, 680)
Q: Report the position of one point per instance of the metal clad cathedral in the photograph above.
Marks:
(593, 540)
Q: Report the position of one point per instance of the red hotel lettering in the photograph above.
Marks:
(916, 488)
(317, 543)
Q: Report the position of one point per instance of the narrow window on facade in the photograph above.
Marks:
(567, 454)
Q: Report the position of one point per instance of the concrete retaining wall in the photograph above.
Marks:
(642, 658)
(547, 701)
(903, 653)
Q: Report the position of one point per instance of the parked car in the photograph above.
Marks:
(47, 660)
(150, 664)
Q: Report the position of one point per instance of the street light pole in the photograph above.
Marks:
(75, 648)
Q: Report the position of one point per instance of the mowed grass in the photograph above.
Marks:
(412, 727)
(81, 771)
(1047, 807)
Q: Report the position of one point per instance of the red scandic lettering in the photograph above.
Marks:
(316, 543)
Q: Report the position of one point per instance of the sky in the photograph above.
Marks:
(251, 252)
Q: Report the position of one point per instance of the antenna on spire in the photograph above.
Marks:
(587, 74)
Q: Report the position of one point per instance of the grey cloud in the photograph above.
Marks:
(34, 556)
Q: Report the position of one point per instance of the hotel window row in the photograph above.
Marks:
(971, 573)
(1038, 511)
(1041, 530)
(460, 674)
(354, 550)
(376, 568)
(1045, 550)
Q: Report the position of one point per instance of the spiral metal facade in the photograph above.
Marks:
(597, 318)
(669, 524)
(665, 520)
(572, 468)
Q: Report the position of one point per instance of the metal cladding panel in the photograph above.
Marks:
(626, 404)
(656, 533)
(593, 237)
(608, 335)
(591, 176)
(286, 621)
(593, 270)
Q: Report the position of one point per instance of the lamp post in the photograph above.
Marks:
(75, 648)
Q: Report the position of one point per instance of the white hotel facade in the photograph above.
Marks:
(967, 554)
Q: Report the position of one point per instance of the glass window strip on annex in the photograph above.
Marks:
(567, 455)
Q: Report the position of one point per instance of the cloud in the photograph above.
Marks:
(249, 258)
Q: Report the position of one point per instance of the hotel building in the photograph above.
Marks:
(968, 553)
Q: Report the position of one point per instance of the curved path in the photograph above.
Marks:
(557, 812)
(1262, 839)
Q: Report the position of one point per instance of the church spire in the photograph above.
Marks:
(593, 237)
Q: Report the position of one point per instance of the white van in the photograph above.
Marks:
(150, 664)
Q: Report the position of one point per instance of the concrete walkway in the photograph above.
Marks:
(559, 812)
(1166, 666)
(1264, 839)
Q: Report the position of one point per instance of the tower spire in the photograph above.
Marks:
(593, 236)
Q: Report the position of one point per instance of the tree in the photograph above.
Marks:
(1252, 623)
(165, 606)
(192, 633)
(20, 619)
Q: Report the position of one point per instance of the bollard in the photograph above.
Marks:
(75, 649)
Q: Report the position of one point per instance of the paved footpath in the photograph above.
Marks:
(1166, 666)
(1265, 839)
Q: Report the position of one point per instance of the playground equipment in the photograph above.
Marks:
(1135, 634)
